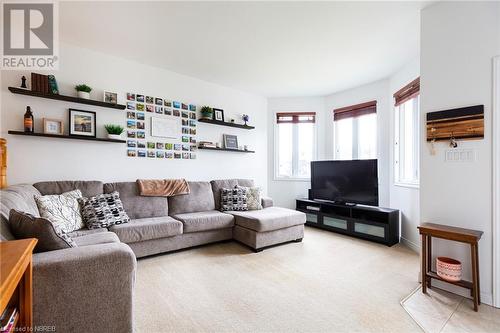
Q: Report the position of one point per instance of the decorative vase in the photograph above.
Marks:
(206, 116)
(84, 94)
(114, 136)
(449, 269)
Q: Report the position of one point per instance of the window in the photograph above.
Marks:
(356, 131)
(295, 144)
(407, 134)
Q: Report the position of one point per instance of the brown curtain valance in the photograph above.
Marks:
(295, 117)
(355, 110)
(409, 91)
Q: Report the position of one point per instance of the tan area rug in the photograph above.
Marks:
(327, 283)
(441, 311)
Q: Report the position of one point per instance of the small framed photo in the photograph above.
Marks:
(218, 114)
(130, 96)
(230, 141)
(158, 101)
(150, 99)
(53, 126)
(140, 98)
(82, 123)
(111, 97)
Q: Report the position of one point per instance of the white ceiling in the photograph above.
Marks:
(269, 48)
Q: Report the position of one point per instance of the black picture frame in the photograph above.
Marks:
(231, 142)
(219, 112)
(72, 132)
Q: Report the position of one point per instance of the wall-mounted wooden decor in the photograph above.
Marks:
(461, 124)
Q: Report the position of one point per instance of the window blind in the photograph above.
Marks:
(409, 91)
(355, 110)
(295, 117)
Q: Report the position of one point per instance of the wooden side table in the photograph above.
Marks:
(471, 237)
(16, 281)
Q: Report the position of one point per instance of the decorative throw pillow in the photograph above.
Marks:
(50, 236)
(253, 197)
(103, 211)
(233, 199)
(62, 210)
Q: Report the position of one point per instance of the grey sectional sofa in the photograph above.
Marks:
(90, 288)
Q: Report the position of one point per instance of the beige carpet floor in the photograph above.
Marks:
(441, 311)
(327, 283)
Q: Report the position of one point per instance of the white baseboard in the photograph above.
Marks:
(410, 244)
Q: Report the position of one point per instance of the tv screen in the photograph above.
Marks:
(353, 181)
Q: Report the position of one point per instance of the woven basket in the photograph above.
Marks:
(449, 269)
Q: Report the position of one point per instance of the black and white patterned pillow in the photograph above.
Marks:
(103, 211)
(233, 199)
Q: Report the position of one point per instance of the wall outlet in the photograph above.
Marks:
(459, 155)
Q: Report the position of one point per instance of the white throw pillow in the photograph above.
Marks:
(62, 210)
(253, 197)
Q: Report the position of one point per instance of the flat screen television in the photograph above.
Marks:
(346, 182)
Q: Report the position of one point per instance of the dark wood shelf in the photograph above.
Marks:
(65, 98)
(66, 137)
(461, 283)
(225, 149)
(223, 123)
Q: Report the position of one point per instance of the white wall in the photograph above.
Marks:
(36, 159)
(284, 192)
(406, 199)
(459, 40)
(373, 91)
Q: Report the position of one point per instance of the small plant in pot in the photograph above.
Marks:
(114, 131)
(83, 91)
(206, 112)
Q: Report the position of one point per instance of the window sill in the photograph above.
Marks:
(407, 185)
(291, 179)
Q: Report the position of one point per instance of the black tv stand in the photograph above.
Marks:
(368, 222)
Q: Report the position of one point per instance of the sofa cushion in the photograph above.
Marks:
(148, 228)
(201, 221)
(97, 238)
(219, 184)
(199, 199)
(19, 197)
(62, 210)
(267, 219)
(137, 206)
(85, 231)
(103, 211)
(50, 236)
(253, 198)
(88, 188)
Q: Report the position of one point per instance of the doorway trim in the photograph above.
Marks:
(496, 181)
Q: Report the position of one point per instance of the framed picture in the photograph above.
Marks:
(218, 114)
(111, 97)
(165, 127)
(53, 126)
(82, 123)
(230, 141)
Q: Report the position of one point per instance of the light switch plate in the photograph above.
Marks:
(459, 155)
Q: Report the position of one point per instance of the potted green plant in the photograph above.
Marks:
(206, 112)
(83, 91)
(114, 131)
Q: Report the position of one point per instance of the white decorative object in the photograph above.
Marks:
(114, 136)
(84, 94)
(168, 127)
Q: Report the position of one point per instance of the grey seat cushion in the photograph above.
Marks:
(201, 221)
(268, 219)
(96, 238)
(88, 188)
(19, 197)
(85, 231)
(199, 199)
(148, 228)
(219, 184)
(135, 205)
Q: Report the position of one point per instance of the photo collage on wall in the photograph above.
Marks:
(160, 128)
